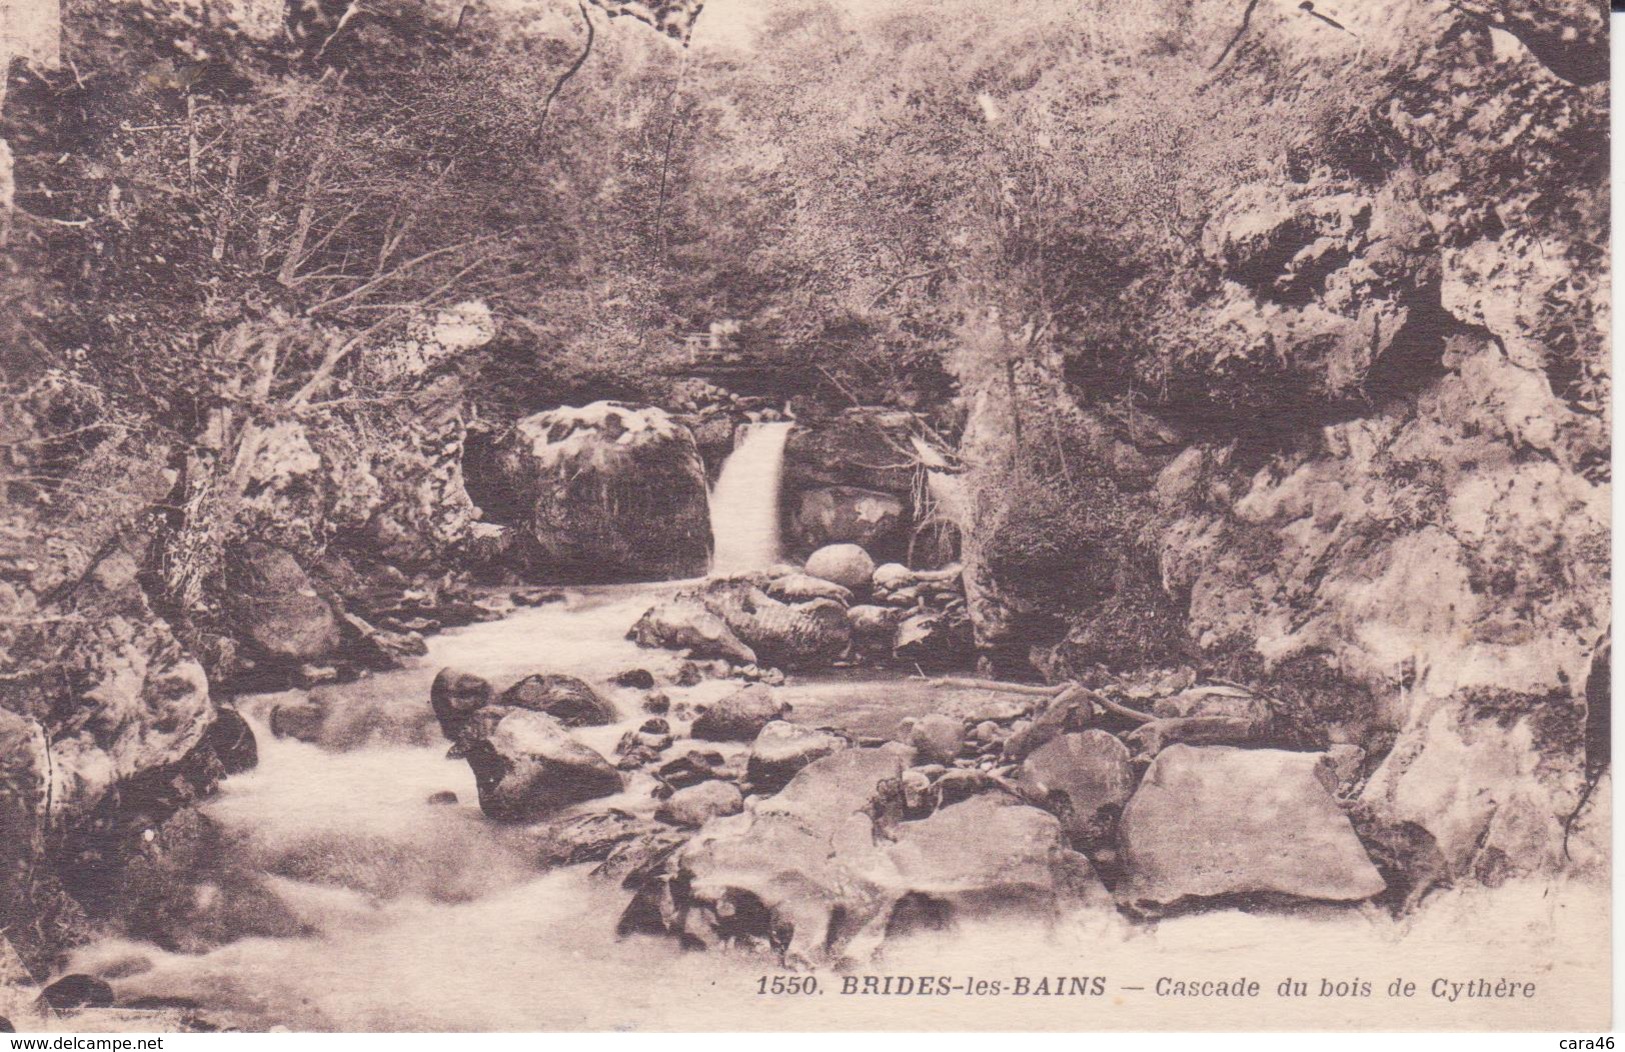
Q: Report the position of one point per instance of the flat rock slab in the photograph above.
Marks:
(991, 854)
(1221, 821)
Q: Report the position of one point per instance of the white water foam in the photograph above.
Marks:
(745, 502)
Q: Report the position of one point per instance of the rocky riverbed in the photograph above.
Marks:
(571, 803)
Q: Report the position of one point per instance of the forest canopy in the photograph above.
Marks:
(864, 192)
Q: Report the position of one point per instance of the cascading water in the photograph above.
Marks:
(745, 502)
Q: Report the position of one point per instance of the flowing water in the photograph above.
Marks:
(745, 503)
(412, 916)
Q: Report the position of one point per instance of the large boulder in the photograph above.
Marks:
(689, 625)
(846, 564)
(1212, 822)
(1084, 778)
(776, 874)
(456, 695)
(797, 635)
(565, 698)
(301, 721)
(849, 515)
(528, 765)
(809, 873)
(740, 716)
(275, 607)
(782, 749)
(787, 635)
(612, 492)
(698, 804)
(983, 857)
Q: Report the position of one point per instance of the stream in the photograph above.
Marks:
(431, 917)
(407, 915)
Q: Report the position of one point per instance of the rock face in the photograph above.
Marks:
(1219, 821)
(424, 512)
(387, 481)
(1084, 778)
(845, 564)
(275, 606)
(806, 873)
(612, 492)
(740, 716)
(849, 515)
(132, 730)
(1408, 349)
(528, 766)
(565, 698)
(863, 447)
(714, 435)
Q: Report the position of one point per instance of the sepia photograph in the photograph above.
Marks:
(804, 515)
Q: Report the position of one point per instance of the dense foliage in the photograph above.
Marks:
(1005, 205)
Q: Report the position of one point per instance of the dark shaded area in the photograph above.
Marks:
(1599, 711)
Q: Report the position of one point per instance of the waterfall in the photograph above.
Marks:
(745, 502)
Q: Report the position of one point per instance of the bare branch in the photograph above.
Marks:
(295, 257)
(575, 67)
(400, 271)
